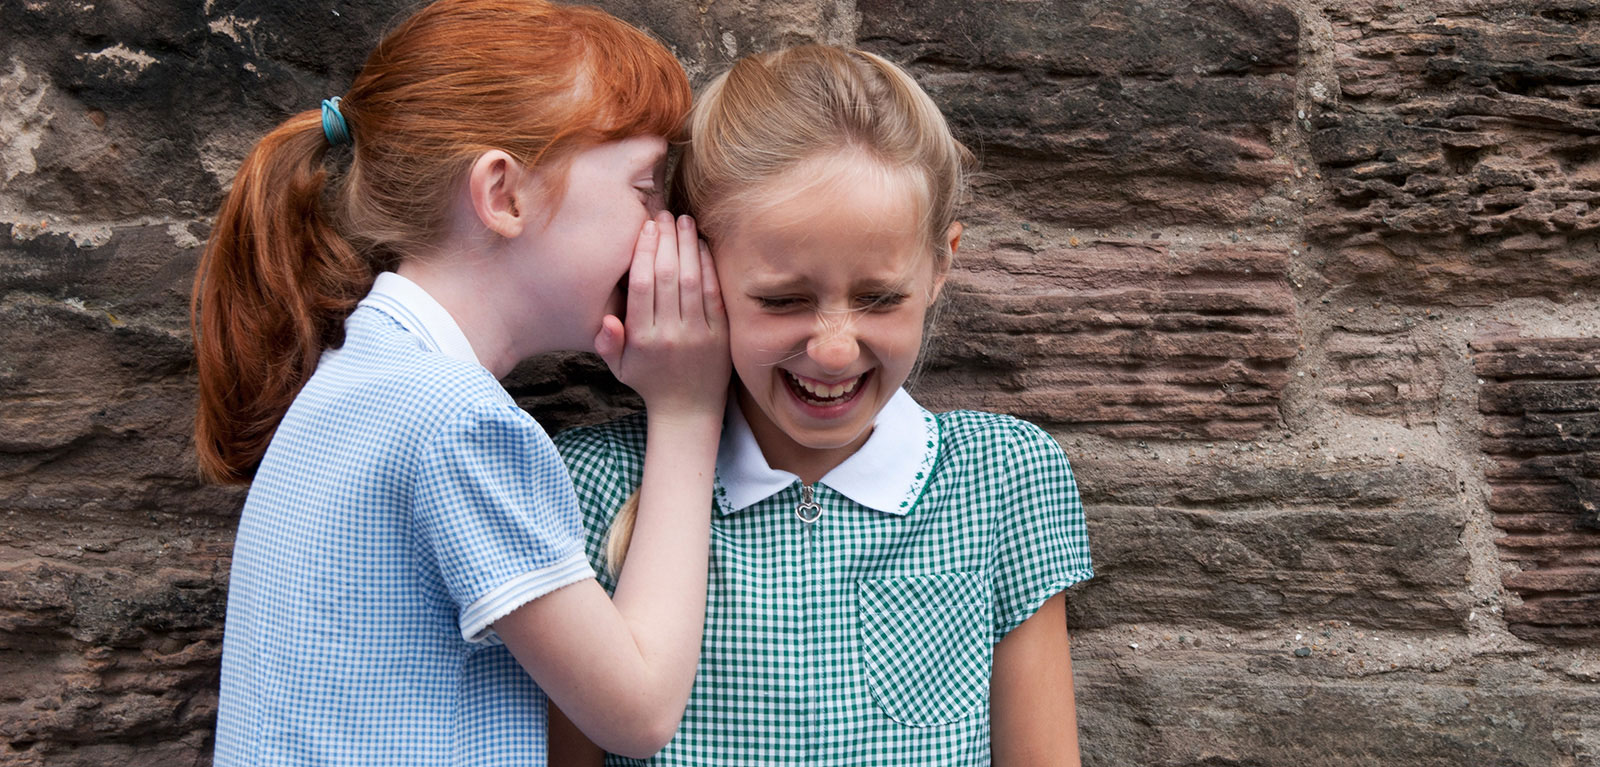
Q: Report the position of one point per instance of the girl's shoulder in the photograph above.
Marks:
(969, 431)
(380, 354)
(619, 438)
(609, 454)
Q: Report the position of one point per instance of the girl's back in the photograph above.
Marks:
(348, 615)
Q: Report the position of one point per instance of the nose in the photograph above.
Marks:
(834, 347)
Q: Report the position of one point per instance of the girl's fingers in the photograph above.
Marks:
(711, 290)
(609, 341)
(689, 274)
(666, 277)
(641, 278)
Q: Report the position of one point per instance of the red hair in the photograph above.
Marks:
(285, 265)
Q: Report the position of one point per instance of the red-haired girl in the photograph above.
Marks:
(409, 581)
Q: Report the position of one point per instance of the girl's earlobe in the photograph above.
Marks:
(494, 184)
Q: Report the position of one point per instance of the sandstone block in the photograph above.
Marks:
(1201, 708)
(1541, 430)
(1460, 162)
(1121, 338)
(1376, 373)
(1381, 568)
(1085, 113)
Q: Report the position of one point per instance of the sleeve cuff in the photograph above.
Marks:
(1018, 615)
(477, 619)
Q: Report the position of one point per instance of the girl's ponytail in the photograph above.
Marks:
(273, 289)
(621, 534)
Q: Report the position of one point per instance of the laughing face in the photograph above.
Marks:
(826, 293)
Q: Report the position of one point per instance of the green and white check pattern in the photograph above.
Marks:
(864, 638)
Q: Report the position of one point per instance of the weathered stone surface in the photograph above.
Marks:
(1267, 708)
(709, 36)
(1462, 160)
(1254, 481)
(113, 556)
(1541, 406)
(1086, 113)
(105, 666)
(1122, 338)
(567, 390)
(145, 109)
(1381, 374)
(1382, 568)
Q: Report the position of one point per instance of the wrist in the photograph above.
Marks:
(702, 419)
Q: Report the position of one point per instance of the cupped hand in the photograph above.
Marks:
(673, 347)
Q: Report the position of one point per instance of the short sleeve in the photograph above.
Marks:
(494, 507)
(1042, 544)
(591, 455)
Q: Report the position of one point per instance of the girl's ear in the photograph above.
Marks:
(942, 268)
(497, 185)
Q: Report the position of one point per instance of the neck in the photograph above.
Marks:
(469, 302)
(782, 452)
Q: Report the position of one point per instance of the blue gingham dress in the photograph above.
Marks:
(406, 503)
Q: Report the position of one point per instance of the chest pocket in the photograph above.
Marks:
(926, 645)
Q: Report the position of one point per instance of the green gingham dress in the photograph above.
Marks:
(858, 629)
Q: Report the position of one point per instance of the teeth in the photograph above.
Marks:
(824, 391)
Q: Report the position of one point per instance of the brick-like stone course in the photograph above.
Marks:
(1541, 432)
(1086, 112)
(1123, 338)
(1462, 163)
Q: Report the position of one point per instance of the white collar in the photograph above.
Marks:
(421, 315)
(886, 474)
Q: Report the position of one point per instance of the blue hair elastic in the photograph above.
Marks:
(333, 124)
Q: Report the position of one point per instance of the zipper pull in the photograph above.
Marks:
(808, 511)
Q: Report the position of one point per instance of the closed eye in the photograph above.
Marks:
(880, 301)
(780, 303)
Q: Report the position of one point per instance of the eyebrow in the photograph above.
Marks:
(651, 158)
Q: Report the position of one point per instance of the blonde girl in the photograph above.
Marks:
(886, 583)
(408, 583)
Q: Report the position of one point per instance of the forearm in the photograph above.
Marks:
(661, 591)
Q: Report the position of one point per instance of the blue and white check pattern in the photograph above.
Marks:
(867, 636)
(406, 503)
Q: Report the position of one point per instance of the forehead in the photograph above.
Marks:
(829, 220)
(625, 154)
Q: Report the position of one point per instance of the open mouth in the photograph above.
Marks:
(819, 394)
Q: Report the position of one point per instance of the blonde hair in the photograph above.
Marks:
(771, 113)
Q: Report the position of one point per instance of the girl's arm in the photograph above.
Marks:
(1033, 718)
(621, 668)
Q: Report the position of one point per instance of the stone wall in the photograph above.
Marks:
(1309, 291)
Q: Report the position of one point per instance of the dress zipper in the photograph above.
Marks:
(808, 511)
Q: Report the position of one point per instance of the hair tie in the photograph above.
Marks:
(333, 124)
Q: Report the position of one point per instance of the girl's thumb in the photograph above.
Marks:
(608, 342)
